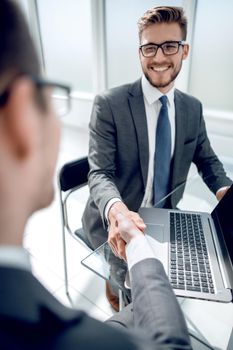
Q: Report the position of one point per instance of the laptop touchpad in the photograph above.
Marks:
(155, 231)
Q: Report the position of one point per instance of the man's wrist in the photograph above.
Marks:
(221, 192)
(108, 207)
(222, 188)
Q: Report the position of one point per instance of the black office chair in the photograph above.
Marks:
(72, 176)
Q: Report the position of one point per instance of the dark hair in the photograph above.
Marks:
(18, 55)
(17, 52)
(164, 14)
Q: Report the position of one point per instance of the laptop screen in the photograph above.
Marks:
(223, 218)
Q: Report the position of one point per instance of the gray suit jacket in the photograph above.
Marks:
(31, 318)
(155, 311)
(119, 153)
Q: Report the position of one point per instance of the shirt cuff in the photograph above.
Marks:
(138, 249)
(108, 206)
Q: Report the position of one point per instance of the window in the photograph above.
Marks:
(67, 43)
(212, 52)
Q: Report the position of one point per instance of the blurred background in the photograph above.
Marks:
(93, 45)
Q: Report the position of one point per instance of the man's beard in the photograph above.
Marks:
(164, 84)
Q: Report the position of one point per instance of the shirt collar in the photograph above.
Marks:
(152, 94)
(15, 257)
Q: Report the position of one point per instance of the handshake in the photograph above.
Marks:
(125, 225)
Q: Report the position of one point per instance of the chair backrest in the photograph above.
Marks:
(74, 174)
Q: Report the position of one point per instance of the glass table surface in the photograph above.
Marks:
(211, 322)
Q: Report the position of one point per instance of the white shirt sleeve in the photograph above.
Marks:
(138, 249)
(109, 204)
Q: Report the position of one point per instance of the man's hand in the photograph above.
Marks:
(126, 227)
(115, 240)
(221, 192)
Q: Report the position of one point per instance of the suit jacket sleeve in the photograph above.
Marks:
(193, 145)
(102, 153)
(155, 307)
(207, 162)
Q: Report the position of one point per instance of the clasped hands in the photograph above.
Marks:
(124, 225)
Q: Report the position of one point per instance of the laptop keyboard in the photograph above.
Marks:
(189, 262)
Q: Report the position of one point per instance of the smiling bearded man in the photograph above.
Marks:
(136, 158)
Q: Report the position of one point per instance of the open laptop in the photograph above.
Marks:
(196, 249)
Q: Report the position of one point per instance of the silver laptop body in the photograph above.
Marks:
(212, 279)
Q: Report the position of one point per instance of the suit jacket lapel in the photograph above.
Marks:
(137, 106)
(180, 121)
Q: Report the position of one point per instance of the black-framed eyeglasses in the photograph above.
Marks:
(60, 94)
(168, 48)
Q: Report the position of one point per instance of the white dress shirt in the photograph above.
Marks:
(151, 97)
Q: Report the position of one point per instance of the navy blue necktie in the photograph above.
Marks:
(162, 157)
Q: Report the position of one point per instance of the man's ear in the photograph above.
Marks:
(19, 118)
(185, 51)
(139, 53)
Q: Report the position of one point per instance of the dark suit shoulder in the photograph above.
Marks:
(50, 333)
(182, 96)
(123, 91)
(31, 318)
